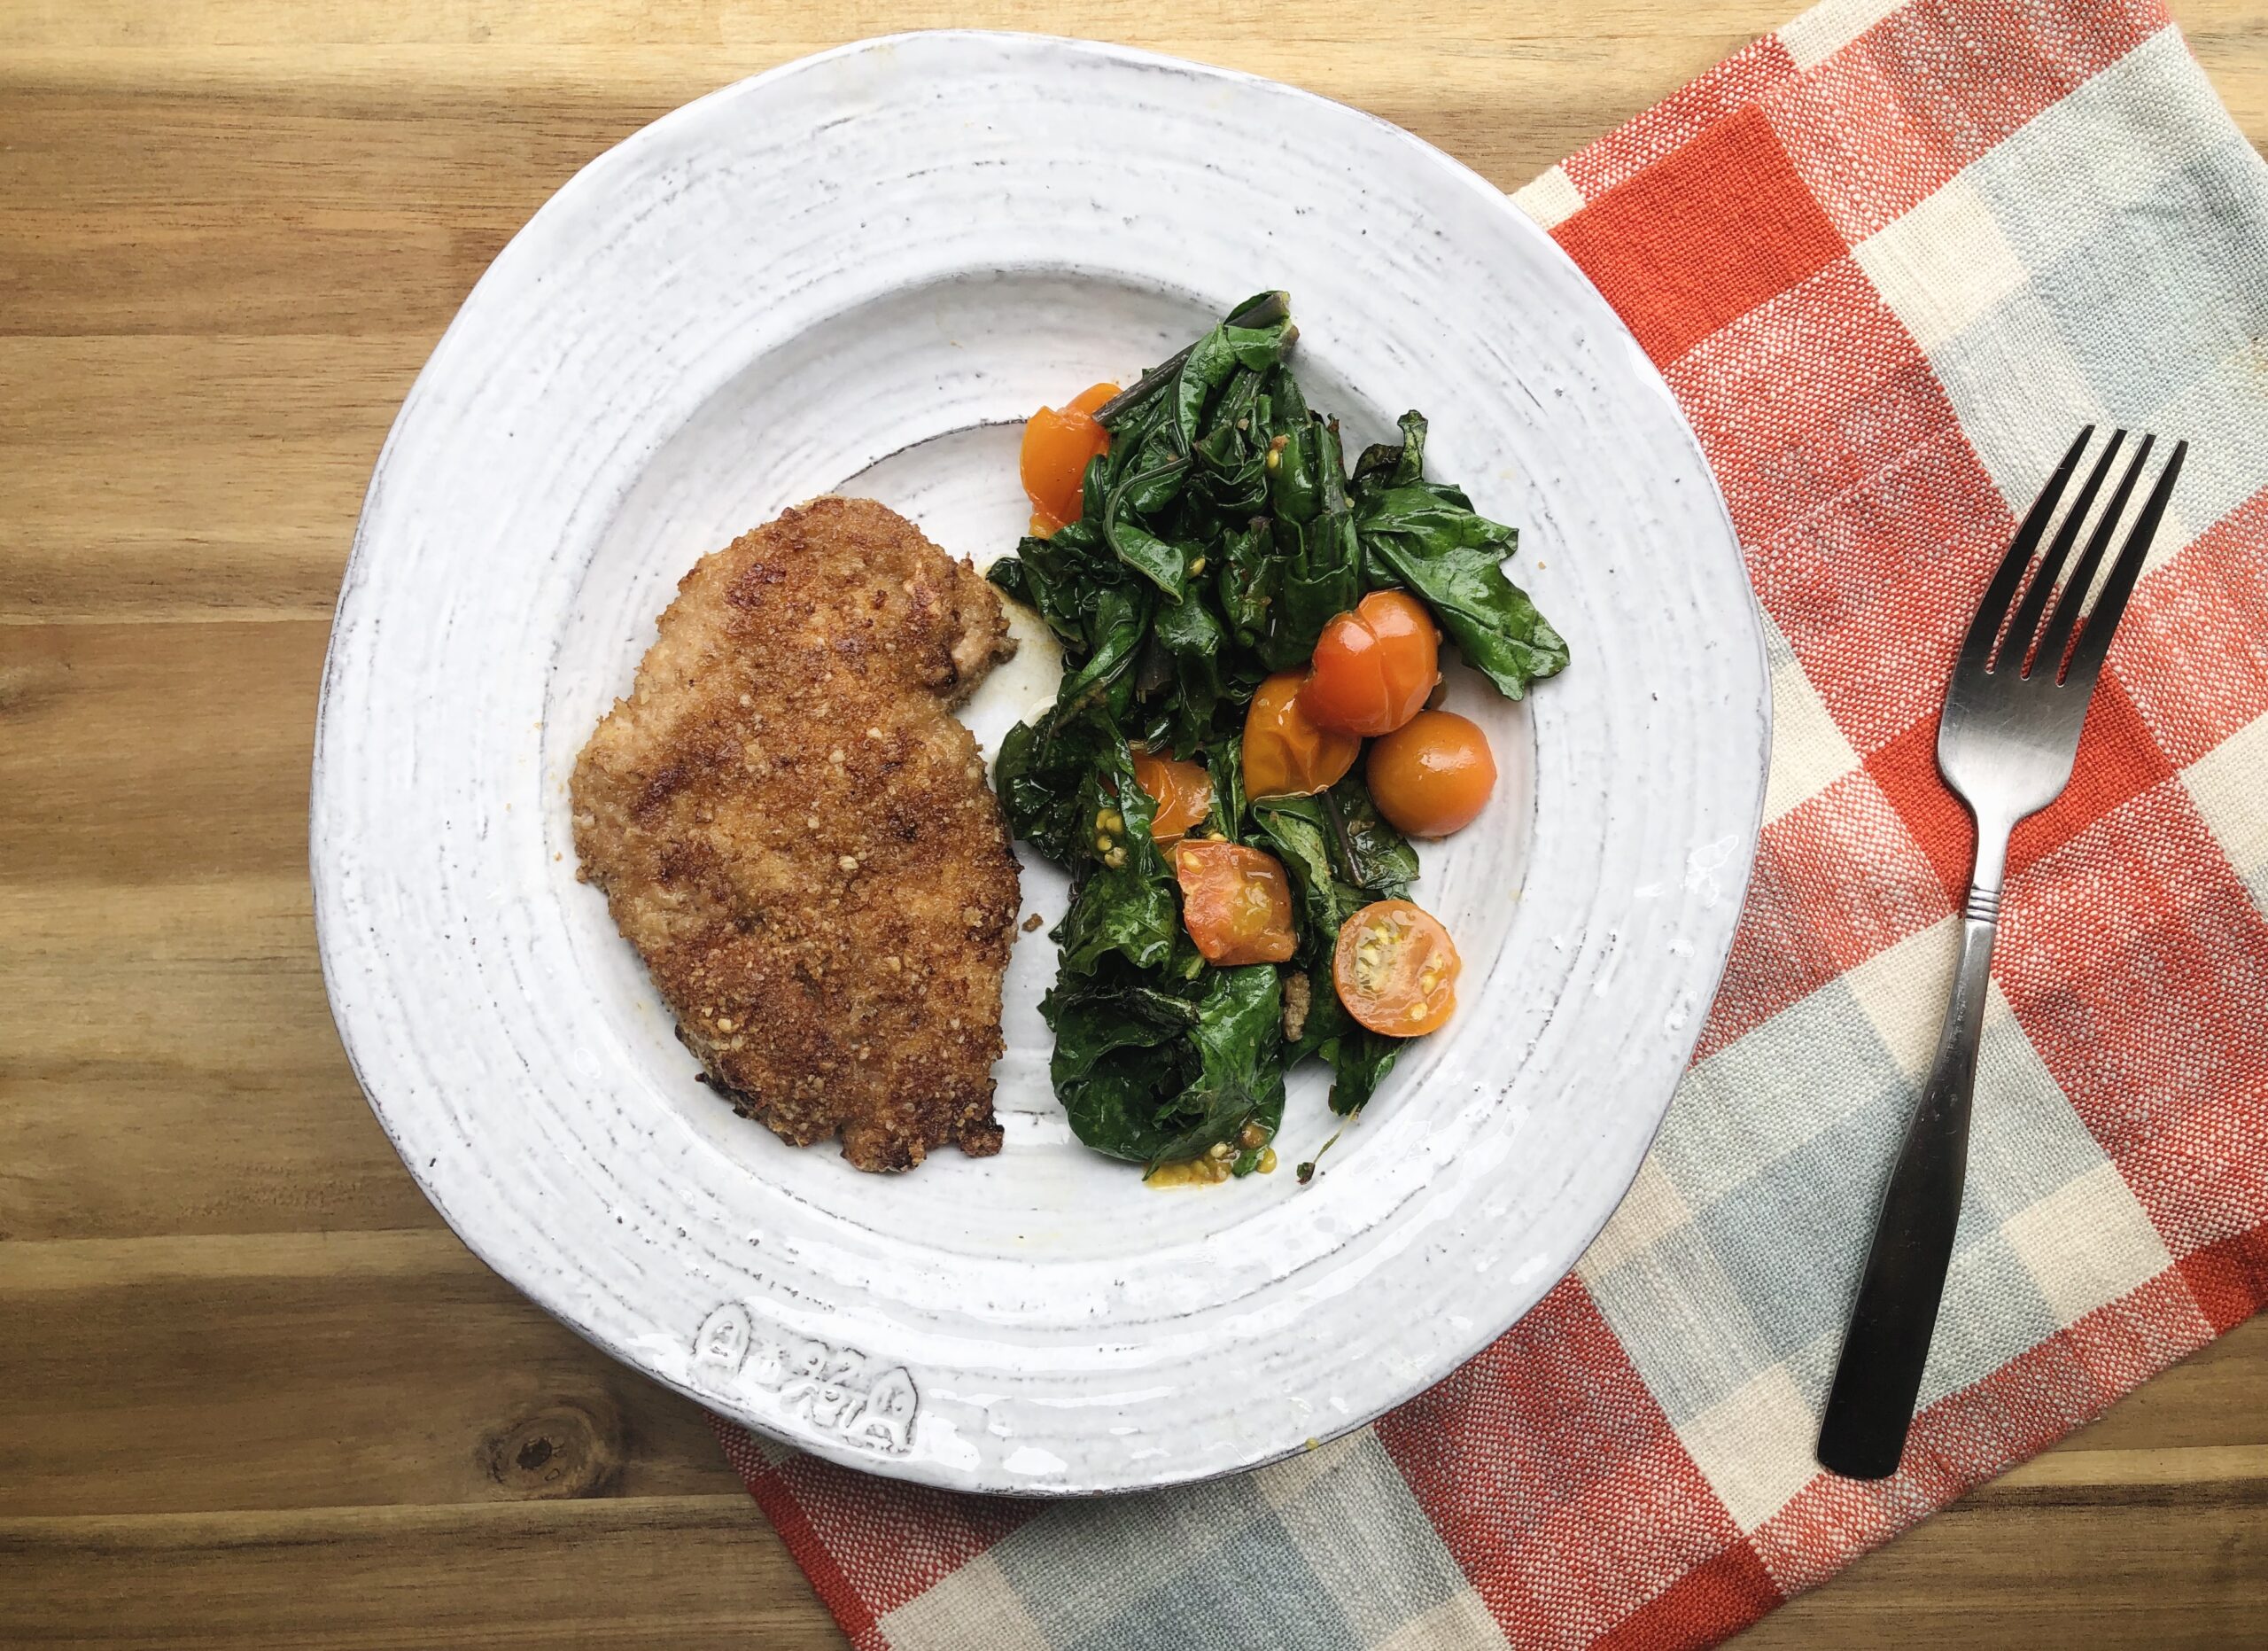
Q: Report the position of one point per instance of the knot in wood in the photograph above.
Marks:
(561, 1450)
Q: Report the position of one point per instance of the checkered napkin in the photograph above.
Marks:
(1889, 259)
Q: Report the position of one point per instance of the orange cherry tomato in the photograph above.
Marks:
(1284, 753)
(1433, 775)
(1182, 790)
(1057, 443)
(1375, 666)
(1236, 902)
(1396, 968)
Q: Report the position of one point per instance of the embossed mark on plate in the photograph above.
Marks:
(830, 1387)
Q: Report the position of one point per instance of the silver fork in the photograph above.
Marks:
(2005, 744)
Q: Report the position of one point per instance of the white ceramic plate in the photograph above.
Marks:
(859, 273)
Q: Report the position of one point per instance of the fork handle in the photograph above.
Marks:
(1871, 1404)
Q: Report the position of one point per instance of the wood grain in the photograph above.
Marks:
(252, 1393)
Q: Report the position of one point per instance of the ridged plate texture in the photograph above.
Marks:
(859, 273)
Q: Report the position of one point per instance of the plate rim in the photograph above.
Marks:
(322, 862)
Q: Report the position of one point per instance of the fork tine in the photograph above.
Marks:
(2102, 618)
(2016, 649)
(2056, 641)
(1993, 607)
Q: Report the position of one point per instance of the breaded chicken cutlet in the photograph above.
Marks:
(796, 836)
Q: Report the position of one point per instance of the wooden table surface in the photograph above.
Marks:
(251, 1392)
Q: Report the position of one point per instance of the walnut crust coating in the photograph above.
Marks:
(795, 835)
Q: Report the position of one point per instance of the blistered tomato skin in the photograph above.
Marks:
(1395, 969)
(1284, 753)
(1182, 790)
(1373, 667)
(1434, 776)
(1236, 903)
(1057, 445)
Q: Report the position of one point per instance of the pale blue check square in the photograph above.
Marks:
(2148, 269)
(1763, 1095)
(2024, 1141)
(1683, 1322)
(1993, 1311)
(1253, 1590)
(1152, 1539)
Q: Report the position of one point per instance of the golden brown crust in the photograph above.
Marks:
(797, 838)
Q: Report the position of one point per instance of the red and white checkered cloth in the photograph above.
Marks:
(1889, 259)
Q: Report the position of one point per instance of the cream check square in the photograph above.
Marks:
(974, 1605)
(1754, 1447)
(2087, 1243)
(2229, 785)
(1651, 1208)
(2174, 533)
(1819, 33)
(1809, 752)
(1904, 990)
(1551, 199)
(2019, 394)
(1285, 1482)
(1942, 265)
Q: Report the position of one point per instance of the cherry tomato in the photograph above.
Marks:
(1373, 667)
(1284, 753)
(1057, 446)
(1395, 969)
(1433, 775)
(1236, 902)
(1182, 790)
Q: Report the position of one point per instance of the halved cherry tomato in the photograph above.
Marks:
(1182, 790)
(1373, 667)
(1057, 443)
(1433, 775)
(1284, 753)
(1395, 969)
(1236, 902)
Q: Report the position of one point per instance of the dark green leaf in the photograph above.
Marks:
(1393, 464)
(1131, 908)
(1251, 581)
(1453, 558)
(1326, 1019)
(1194, 639)
(1360, 1060)
(1225, 766)
(1299, 832)
(1212, 359)
(1323, 557)
(1014, 580)
(1365, 849)
(1157, 1076)
(1064, 578)
(1322, 579)
(1239, 1077)
(1041, 773)
(1164, 565)
(1121, 615)
(1115, 1067)
(1231, 469)
(1295, 481)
